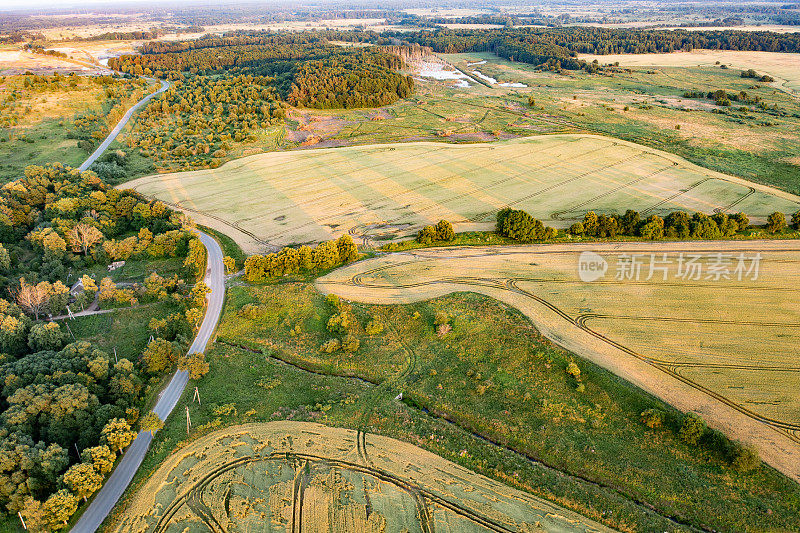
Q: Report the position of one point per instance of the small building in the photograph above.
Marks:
(115, 265)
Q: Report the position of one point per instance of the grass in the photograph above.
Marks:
(664, 334)
(492, 396)
(392, 190)
(40, 136)
(125, 329)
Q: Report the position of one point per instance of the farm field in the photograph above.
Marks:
(784, 67)
(646, 104)
(720, 347)
(491, 396)
(639, 104)
(293, 476)
(391, 191)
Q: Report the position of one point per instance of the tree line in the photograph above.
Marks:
(303, 259)
(539, 45)
(66, 406)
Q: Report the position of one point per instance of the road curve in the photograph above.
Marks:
(109, 494)
(121, 124)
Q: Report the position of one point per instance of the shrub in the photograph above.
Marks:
(744, 458)
(573, 370)
(251, 311)
(576, 229)
(653, 418)
(374, 326)
(441, 318)
(330, 346)
(796, 220)
(350, 343)
(776, 222)
(332, 301)
(692, 428)
(339, 324)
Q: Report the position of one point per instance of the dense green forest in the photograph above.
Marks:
(66, 406)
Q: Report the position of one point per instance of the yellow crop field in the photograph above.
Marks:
(301, 476)
(711, 327)
(377, 191)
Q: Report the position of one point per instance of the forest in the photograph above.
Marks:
(540, 45)
(67, 408)
(226, 88)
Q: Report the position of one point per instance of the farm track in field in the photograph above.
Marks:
(193, 497)
(512, 285)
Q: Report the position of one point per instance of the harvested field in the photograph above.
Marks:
(299, 476)
(311, 196)
(723, 346)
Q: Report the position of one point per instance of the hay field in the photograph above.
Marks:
(392, 190)
(785, 68)
(300, 476)
(724, 348)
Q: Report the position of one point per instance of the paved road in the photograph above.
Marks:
(105, 500)
(121, 124)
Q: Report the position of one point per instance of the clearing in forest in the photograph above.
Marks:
(301, 476)
(710, 327)
(390, 191)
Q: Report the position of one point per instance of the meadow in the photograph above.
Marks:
(37, 119)
(281, 476)
(390, 191)
(714, 340)
(491, 395)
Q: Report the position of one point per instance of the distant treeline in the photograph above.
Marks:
(154, 33)
(549, 45)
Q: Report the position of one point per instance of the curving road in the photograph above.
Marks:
(107, 497)
(105, 500)
(121, 124)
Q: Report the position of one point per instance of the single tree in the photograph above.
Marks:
(59, 508)
(83, 236)
(195, 364)
(150, 422)
(83, 480)
(776, 222)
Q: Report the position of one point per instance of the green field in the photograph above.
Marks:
(392, 190)
(514, 414)
(39, 120)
